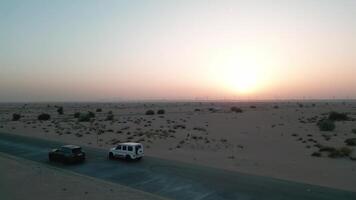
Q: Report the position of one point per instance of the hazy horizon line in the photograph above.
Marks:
(187, 101)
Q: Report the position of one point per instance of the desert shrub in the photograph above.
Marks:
(326, 125)
(351, 141)
(338, 153)
(86, 117)
(109, 117)
(99, 110)
(335, 116)
(150, 112)
(253, 107)
(60, 110)
(197, 110)
(91, 114)
(161, 112)
(44, 117)
(326, 148)
(236, 109)
(16, 117)
(316, 154)
(275, 107)
(335, 154)
(76, 115)
(212, 109)
(345, 151)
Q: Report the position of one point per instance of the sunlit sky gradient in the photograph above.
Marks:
(71, 50)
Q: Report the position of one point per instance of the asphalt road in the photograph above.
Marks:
(173, 179)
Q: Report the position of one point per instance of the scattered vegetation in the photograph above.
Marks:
(76, 115)
(351, 141)
(161, 112)
(335, 116)
(335, 152)
(60, 110)
(150, 112)
(353, 130)
(236, 109)
(99, 110)
(342, 152)
(86, 117)
(316, 154)
(326, 125)
(110, 116)
(212, 109)
(16, 117)
(91, 114)
(44, 117)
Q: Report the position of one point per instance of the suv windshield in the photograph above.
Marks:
(77, 150)
(137, 148)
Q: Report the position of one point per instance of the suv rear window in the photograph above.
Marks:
(124, 148)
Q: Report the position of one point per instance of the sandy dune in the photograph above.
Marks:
(268, 138)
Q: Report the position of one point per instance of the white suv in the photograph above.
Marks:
(128, 150)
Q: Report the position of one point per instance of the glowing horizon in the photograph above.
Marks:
(133, 50)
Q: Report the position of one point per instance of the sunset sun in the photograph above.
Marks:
(238, 73)
(242, 79)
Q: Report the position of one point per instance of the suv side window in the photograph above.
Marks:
(129, 148)
(66, 151)
(124, 148)
(118, 147)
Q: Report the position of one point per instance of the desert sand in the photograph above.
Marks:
(23, 179)
(274, 139)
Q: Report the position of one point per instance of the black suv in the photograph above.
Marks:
(67, 154)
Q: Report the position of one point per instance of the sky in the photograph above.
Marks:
(84, 50)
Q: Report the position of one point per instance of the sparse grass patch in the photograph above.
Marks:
(326, 125)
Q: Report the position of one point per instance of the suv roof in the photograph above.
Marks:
(70, 146)
(130, 143)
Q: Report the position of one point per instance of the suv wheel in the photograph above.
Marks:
(128, 157)
(111, 156)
